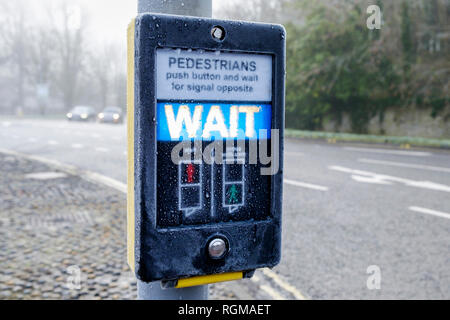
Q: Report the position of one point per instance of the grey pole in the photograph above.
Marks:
(198, 8)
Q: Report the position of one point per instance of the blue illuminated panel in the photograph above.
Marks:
(212, 121)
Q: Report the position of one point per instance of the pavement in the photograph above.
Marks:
(359, 221)
(53, 227)
(63, 237)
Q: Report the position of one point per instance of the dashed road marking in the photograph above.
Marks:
(100, 149)
(405, 165)
(388, 151)
(305, 185)
(431, 212)
(371, 179)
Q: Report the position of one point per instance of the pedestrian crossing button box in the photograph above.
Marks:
(205, 146)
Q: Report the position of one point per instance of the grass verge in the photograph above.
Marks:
(404, 142)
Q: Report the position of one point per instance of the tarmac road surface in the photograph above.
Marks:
(359, 221)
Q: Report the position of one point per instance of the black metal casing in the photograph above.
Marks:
(176, 252)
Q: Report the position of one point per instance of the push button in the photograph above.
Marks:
(217, 248)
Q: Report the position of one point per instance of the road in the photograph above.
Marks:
(359, 221)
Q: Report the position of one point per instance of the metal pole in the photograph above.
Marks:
(198, 8)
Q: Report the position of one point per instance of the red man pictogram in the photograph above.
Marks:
(190, 170)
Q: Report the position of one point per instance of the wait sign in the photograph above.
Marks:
(200, 110)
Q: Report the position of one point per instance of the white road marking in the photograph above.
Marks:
(374, 179)
(405, 165)
(32, 140)
(388, 151)
(371, 176)
(6, 124)
(102, 149)
(77, 146)
(52, 142)
(429, 211)
(95, 135)
(15, 136)
(305, 185)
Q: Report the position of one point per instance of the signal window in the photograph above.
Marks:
(190, 187)
(233, 183)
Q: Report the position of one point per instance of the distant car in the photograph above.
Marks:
(81, 113)
(111, 115)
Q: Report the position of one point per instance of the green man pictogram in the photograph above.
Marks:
(233, 194)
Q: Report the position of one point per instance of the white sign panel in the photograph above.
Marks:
(215, 76)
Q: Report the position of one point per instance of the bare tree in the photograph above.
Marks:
(71, 47)
(119, 77)
(45, 52)
(102, 63)
(41, 56)
(252, 10)
(13, 35)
